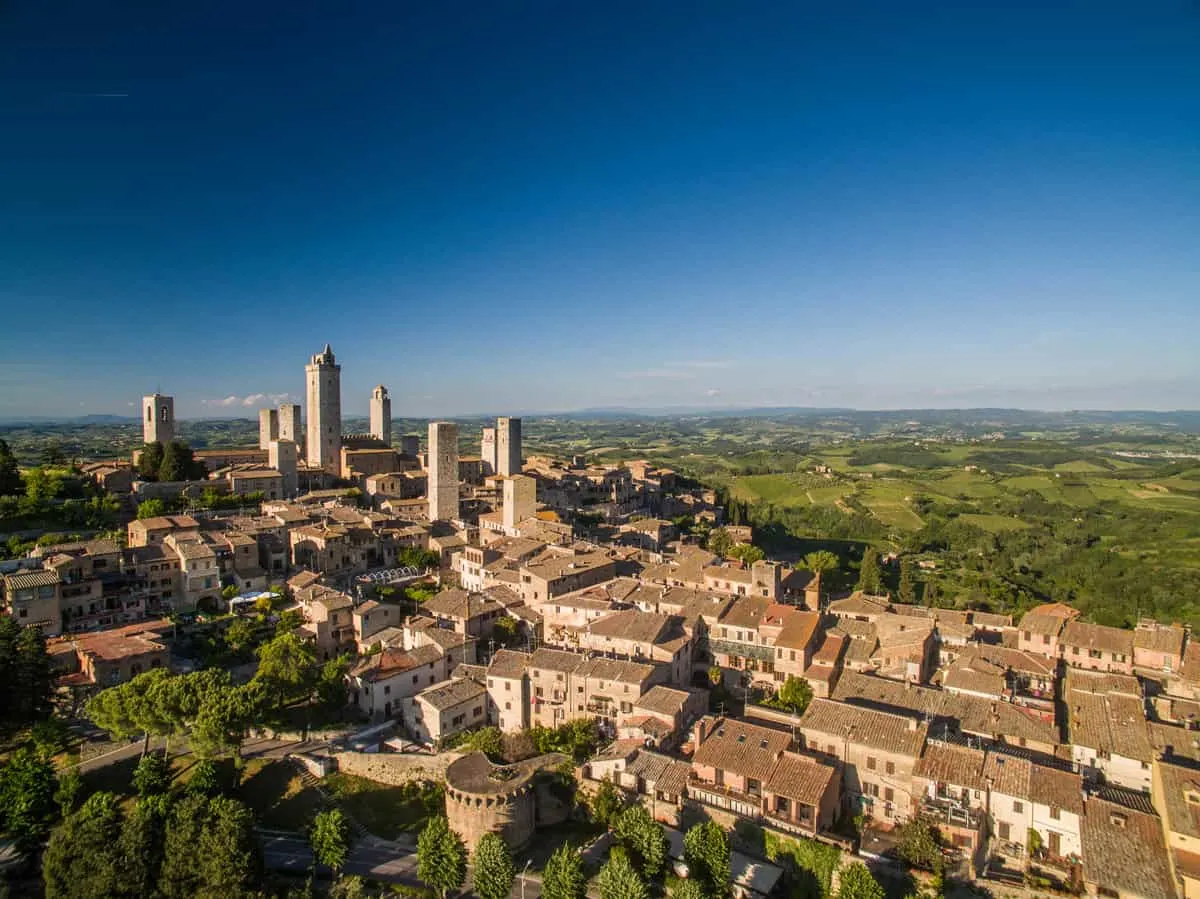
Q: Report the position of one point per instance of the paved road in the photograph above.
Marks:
(258, 748)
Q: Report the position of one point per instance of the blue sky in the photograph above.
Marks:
(516, 207)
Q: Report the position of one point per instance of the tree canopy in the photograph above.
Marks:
(441, 856)
(619, 880)
(870, 579)
(492, 868)
(330, 839)
(563, 877)
(706, 851)
(645, 839)
(856, 882)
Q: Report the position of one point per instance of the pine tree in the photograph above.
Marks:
(492, 868)
(869, 579)
(907, 590)
(330, 839)
(441, 857)
(618, 879)
(644, 836)
(150, 461)
(563, 876)
(706, 851)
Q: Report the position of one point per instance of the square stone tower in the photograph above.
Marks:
(508, 446)
(520, 500)
(381, 415)
(487, 450)
(268, 427)
(281, 455)
(158, 418)
(410, 445)
(289, 424)
(443, 471)
(323, 383)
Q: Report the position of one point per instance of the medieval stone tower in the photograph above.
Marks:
(508, 446)
(158, 418)
(323, 383)
(289, 424)
(442, 465)
(487, 450)
(381, 415)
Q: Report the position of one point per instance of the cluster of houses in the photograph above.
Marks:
(566, 594)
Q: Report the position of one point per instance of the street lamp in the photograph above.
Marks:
(523, 871)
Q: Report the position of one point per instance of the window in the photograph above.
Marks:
(1045, 639)
(1004, 830)
(1018, 806)
(387, 691)
(889, 795)
(891, 767)
(1055, 813)
(508, 706)
(538, 692)
(414, 678)
(477, 711)
(870, 763)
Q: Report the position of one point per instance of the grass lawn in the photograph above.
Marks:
(384, 810)
(280, 800)
(781, 489)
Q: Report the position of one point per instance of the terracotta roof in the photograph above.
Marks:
(1097, 637)
(1124, 851)
(798, 630)
(1056, 610)
(880, 730)
(673, 781)
(976, 675)
(617, 670)
(556, 660)
(618, 749)
(800, 777)
(1057, 788)
(1182, 814)
(949, 763)
(391, 661)
(640, 627)
(746, 611)
(26, 580)
(742, 748)
(663, 700)
(1008, 774)
(508, 664)
(460, 604)
(1049, 625)
(859, 603)
(1159, 638)
(453, 692)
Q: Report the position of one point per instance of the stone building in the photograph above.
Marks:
(381, 415)
(487, 451)
(289, 424)
(509, 800)
(282, 455)
(268, 427)
(508, 446)
(520, 501)
(443, 471)
(323, 384)
(158, 418)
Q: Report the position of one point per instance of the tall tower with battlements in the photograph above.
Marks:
(323, 385)
(381, 415)
(442, 471)
(508, 446)
(158, 418)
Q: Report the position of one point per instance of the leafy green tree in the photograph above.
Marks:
(240, 634)
(70, 782)
(685, 889)
(821, 561)
(907, 590)
(492, 868)
(151, 508)
(210, 849)
(607, 804)
(53, 455)
(330, 839)
(10, 475)
(870, 580)
(920, 845)
(140, 847)
(224, 716)
(79, 861)
(441, 857)
(720, 543)
(706, 851)
(205, 779)
(506, 631)
(645, 839)
(289, 620)
(619, 880)
(795, 694)
(27, 807)
(152, 775)
(150, 461)
(330, 688)
(931, 594)
(563, 877)
(179, 463)
(715, 675)
(856, 882)
(350, 888)
(286, 668)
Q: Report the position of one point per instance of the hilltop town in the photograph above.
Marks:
(471, 597)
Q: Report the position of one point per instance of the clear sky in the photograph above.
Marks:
(497, 207)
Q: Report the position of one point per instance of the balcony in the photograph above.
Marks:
(952, 812)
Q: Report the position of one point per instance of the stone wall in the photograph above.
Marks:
(395, 768)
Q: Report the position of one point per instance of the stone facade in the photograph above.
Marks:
(487, 450)
(508, 446)
(510, 800)
(381, 415)
(443, 471)
(282, 456)
(323, 383)
(268, 427)
(289, 423)
(158, 418)
(520, 501)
